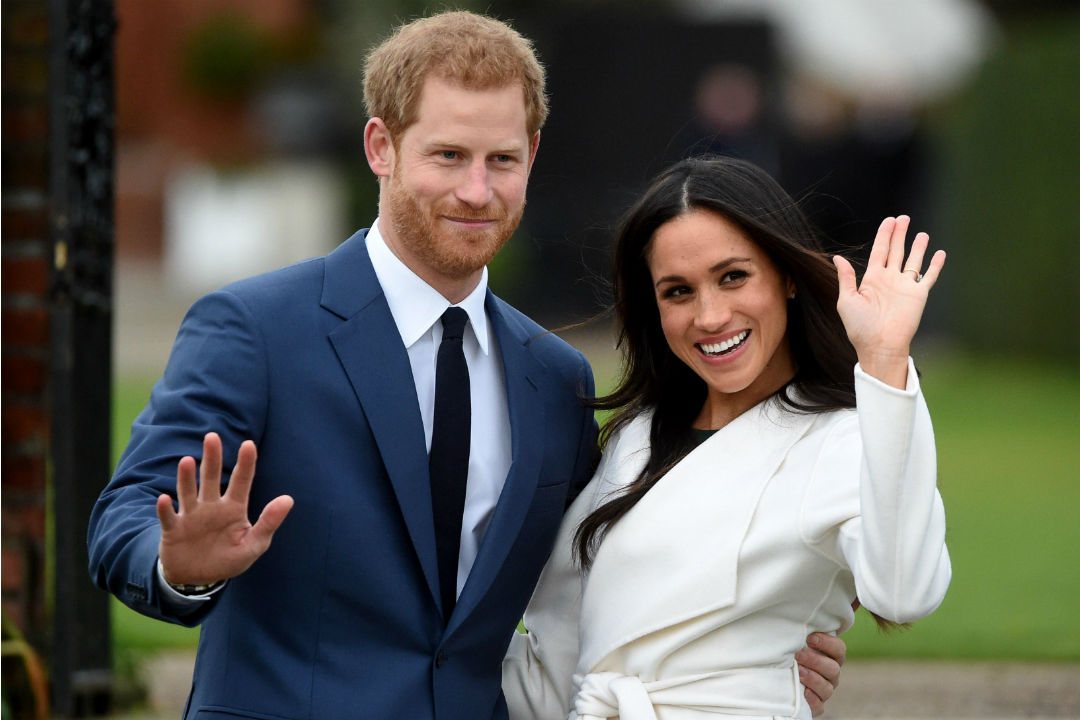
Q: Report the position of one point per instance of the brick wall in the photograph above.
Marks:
(26, 259)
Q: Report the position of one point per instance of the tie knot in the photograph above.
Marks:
(453, 322)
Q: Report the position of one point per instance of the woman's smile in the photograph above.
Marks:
(724, 348)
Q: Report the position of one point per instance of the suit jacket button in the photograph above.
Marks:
(440, 659)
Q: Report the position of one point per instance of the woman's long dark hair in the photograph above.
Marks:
(654, 379)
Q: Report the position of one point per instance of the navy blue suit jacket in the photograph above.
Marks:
(340, 618)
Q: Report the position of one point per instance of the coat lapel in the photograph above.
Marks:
(694, 518)
(370, 350)
(525, 380)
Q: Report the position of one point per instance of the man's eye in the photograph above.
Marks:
(449, 154)
(503, 158)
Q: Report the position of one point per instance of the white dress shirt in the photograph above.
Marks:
(417, 308)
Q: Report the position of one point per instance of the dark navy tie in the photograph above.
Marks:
(448, 461)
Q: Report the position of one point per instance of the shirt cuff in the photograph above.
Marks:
(181, 600)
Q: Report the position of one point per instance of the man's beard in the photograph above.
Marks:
(451, 252)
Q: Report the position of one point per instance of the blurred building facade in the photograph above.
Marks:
(27, 261)
(225, 134)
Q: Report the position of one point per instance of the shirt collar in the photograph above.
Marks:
(415, 305)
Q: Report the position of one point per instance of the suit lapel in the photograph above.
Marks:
(370, 350)
(525, 379)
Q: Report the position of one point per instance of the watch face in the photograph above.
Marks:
(196, 589)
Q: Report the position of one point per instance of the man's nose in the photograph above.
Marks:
(475, 188)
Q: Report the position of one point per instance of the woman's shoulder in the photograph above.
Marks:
(835, 429)
(626, 451)
(631, 436)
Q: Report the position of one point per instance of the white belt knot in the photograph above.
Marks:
(608, 695)
(742, 692)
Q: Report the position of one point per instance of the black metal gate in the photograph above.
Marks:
(81, 229)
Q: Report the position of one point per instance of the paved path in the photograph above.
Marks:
(947, 689)
(879, 689)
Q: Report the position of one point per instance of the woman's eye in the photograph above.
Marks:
(734, 276)
(676, 291)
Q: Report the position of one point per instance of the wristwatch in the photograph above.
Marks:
(195, 589)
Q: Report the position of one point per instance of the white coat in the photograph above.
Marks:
(699, 597)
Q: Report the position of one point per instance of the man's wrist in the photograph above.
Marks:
(185, 589)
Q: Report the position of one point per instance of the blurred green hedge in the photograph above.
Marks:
(1009, 198)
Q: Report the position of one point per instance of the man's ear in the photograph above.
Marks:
(534, 144)
(379, 147)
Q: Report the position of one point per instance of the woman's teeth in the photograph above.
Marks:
(722, 348)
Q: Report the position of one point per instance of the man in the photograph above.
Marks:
(374, 600)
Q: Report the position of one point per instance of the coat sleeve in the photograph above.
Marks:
(894, 540)
(216, 379)
(539, 666)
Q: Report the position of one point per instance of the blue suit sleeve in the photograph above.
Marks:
(588, 456)
(216, 380)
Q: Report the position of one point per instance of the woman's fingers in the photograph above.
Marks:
(845, 274)
(888, 251)
(937, 262)
(914, 262)
(879, 251)
(896, 242)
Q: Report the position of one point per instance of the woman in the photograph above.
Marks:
(753, 484)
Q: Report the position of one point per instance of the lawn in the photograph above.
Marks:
(1008, 436)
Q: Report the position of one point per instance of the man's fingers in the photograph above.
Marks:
(165, 512)
(240, 481)
(817, 705)
(816, 683)
(270, 520)
(210, 468)
(833, 653)
(187, 491)
(819, 673)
